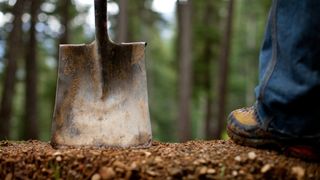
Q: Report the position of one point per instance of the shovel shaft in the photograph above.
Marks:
(104, 45)
(101, 23)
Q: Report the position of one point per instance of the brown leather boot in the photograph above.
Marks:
(243, 128)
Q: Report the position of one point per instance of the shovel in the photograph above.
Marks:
(101, 97)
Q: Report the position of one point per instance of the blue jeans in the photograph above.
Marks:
(288, 94)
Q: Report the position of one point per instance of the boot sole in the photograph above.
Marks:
(299, 151)
(253, 142)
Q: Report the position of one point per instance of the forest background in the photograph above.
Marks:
(202, 60)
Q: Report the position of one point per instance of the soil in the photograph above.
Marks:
(191, 160)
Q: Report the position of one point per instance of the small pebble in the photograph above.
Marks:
(174, 171)
(152, 173)
(252, 155)
(237, 158)
(203, 170)
(80, 156)
(242, 172)
(202, 161)
(147, 153)
(57, 153)
(157, 159)
(120, 164)
(96, 177)
(265, 168)
(234, 173)
(133, 166)
(211, 171)
(107, 173)
(58, 158)
(298, 171)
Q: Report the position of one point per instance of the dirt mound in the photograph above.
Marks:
(191, 160)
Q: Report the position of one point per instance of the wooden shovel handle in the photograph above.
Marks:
(101, 23)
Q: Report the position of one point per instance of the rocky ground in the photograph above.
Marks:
(191, 160)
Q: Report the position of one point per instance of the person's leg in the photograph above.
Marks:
(289, 91)
(288, 94)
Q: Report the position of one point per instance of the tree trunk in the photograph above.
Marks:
(122, 34)
(65, 21)
(223, 73)
(207, 57)
(208, 54)
(13, 54)
(185, 57)
(31, 113)
(209, 131)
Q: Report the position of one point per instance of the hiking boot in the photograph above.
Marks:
(243, 128)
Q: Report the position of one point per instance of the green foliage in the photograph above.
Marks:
(55, 167)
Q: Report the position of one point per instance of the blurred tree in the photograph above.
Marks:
(206, 44)
(224, 70)
(208, 56)
(14, 48)
(31, 130)
(65, 19)
(249, 23)
(185, 70)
